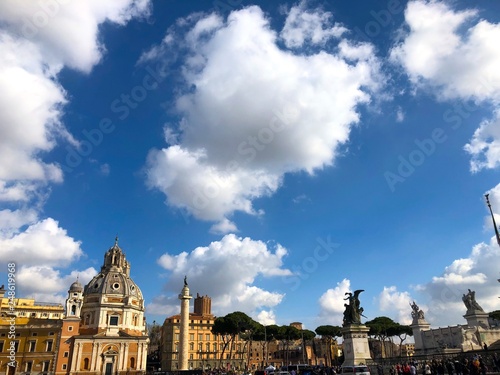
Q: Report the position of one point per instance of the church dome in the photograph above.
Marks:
(76, 287)
(113, 282)
(114, 278)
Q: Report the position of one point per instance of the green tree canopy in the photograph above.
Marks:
(329, 331)
(495, 314)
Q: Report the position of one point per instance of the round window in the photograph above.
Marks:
(132, 288)
(116, 286)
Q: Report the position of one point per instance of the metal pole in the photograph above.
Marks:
(493, 218)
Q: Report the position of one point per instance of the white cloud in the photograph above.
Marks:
(163, 305)
(484, 146)
(66, 32)
(253, 112)
(455, 64)
(332, 303)
(226, 271)
(266, 317)
(45, 284)
(38, 39)
(395, 305)
(11, 221)
(452, 65)
(477, 272)
(303, 25)
(224, 226)
(42, 243)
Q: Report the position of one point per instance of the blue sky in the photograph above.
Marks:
(277, 153)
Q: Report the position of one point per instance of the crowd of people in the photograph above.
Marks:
(473, 365)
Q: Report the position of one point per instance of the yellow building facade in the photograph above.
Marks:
(29, 334)
(205, 350)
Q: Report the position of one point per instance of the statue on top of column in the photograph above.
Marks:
(353, 311)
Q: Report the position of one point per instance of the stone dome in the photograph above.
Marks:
(76, 287)
(114, 277)
(113, 282)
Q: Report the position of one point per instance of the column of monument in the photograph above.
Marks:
(184, 329)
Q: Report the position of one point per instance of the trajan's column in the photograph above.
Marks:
(184, 331)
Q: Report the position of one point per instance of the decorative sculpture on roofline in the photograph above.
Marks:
(185, 281)
(416, 312)
(353, 311)
(470, 301)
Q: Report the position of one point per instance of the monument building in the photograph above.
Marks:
(474, 335)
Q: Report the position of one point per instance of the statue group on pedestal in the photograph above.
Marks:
(416, 312)
(470, 301)
(353, 311)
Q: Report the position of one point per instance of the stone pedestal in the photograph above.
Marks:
(417, 326)
(356, 349)
(476, 318)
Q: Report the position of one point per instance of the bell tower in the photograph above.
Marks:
(75, 300)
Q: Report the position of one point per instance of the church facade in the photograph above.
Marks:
(104, 329)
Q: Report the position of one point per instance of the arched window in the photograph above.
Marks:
(132, 363)
(86, 364)
(73, 310)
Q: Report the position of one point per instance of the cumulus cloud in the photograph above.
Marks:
(11, 221)
(452, 65)
(252, 111)
(226, 271)
(484, 146)
(303, 25)
(66, 32)
(266, 317)
(332, 303)
(41, 243)
(395, 305)
(47, 284)
(457, 64)
(37, 40)
(476, 272)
